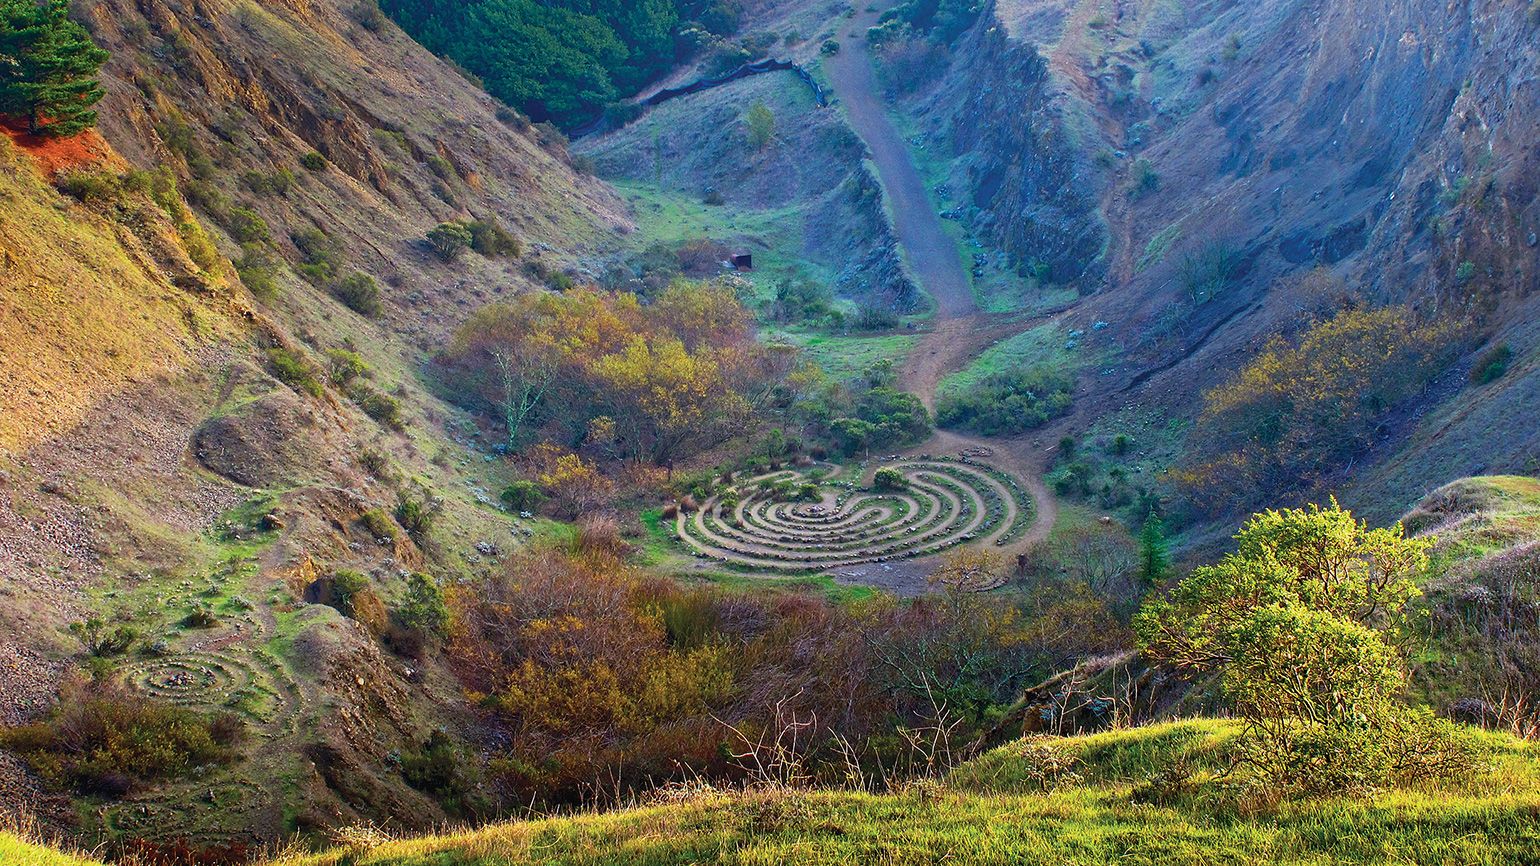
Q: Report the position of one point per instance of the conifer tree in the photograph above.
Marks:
(48, 67)
(1154, 559)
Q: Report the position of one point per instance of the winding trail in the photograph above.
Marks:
(959, 332)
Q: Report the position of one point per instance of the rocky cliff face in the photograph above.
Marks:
(1392, 143)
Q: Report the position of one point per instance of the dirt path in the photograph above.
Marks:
(959, 332)
(931, 255)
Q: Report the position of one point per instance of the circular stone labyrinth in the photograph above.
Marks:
(246, 684)
(945, 503)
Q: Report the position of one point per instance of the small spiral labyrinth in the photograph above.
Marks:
(249, 686)
(764, 524)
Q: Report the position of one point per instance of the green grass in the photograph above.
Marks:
(773, 235)
(17, 851)
(1043, 345)
(992, 811)
(846, 356)
(1001, 808)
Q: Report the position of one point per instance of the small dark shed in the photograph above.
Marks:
(743, 262)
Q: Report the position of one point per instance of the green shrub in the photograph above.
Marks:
(1008, 402)
(1208, 270)
(101, 641)
(1492, 364)
(247, 226)
(321, 258)
(1144, 178)
(258, 269)
(1465, 273)
(442, 168)
(443, 770)
(415, 515)
(829, 47)
(1300, 623)
(276, 183)
(90, 186)
(108, 741)
(381, 407)
(424, 609)
(359, 293)
(312, 161)
(378, 523)
(889, 478)
(201, 616)
(295, 371)
(343, 366)
(489, 238)
(449, 240)
(522, 495)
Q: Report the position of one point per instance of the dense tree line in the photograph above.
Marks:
(564, 60)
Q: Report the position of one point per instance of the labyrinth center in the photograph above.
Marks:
(763, 523)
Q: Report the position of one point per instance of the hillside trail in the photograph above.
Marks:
(959, 332)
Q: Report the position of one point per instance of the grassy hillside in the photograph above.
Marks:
(1071, 800)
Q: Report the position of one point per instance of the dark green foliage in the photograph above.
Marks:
(276, 183)
(415, 515)
(882, 417)
(321, 258)
(1492, 365)
(522, 495)
(889, 478)
(49, 71)
(101, 641)
(1154, 560)
(449, 240)
(444, 771)
(1207, 271)
(829, 47)
(941, 20)
(312, 161)
(489, 238)
(379, 524)
(1144, 178)
(800, 300)
(359, 292)
(294, 370)
(1007, 403)
(200, 616)
(246, 226)
(561, 60)
(258, 270)
(424, 608)
(381, 407)
(108, 741)
(875, 319)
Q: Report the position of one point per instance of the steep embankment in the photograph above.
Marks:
(1182, 166)
(184, 457)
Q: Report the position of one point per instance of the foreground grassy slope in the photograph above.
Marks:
(1081, 800)
(1011, 806)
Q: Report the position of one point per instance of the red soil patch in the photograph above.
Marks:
(55, 155)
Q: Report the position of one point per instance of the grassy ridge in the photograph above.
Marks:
(1004, 808)
(995, 811)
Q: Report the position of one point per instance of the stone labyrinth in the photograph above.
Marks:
(762, 523)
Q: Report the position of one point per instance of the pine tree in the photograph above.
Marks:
(1154, 559)
(48, 65)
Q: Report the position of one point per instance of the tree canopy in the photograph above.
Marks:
(561, 60)
(1302, 624)
(48, 67)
